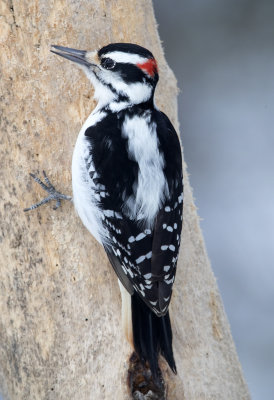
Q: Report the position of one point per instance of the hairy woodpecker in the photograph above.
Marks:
(128, 186)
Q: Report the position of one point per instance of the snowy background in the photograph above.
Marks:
(222, 53)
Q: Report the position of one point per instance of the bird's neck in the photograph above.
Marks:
(117, 105)
(116, 100)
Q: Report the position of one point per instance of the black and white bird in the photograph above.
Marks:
(128, 187)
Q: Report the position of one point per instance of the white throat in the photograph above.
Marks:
(136, 93)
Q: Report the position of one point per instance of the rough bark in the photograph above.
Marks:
(60, 332)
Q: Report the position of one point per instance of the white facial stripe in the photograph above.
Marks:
(136, 92)
(121, 57)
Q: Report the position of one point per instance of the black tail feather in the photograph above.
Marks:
(151, 335)
(166, 341)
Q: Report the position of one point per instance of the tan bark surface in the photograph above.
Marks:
(60, 333)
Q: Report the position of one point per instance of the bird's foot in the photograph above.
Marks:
(53, 194)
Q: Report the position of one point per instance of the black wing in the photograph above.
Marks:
(143, 258)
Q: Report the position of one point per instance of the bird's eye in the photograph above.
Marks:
(108, 63)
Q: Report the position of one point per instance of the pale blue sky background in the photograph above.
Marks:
(222, 52)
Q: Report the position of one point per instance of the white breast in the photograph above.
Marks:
(84, 197)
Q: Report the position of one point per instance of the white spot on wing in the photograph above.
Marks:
(142, 258)
(130, 272)
(109, 213)
(140, 236)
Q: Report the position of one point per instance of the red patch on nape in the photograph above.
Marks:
(150, 67)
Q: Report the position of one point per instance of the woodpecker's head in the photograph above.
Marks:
(120, 72)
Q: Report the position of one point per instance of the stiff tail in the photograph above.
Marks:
(151, 335)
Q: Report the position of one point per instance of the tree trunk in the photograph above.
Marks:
(60, 329)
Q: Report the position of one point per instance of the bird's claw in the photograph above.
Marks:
(49, 188)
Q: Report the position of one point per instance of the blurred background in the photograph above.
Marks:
(222, 53)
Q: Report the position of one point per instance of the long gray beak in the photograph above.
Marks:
(77, 56)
